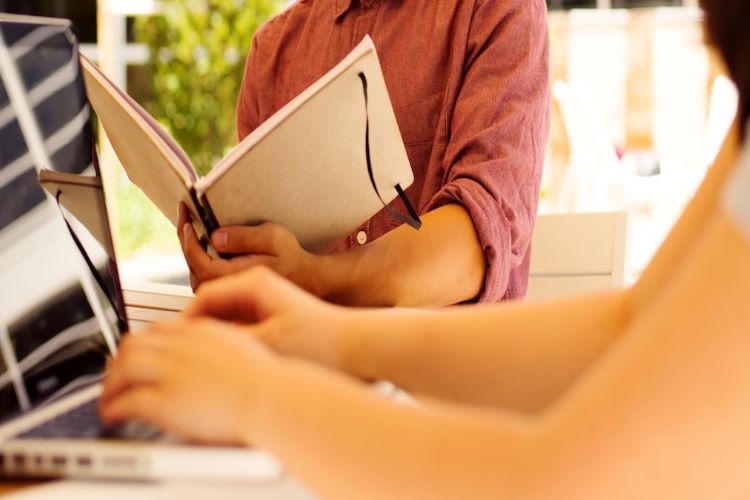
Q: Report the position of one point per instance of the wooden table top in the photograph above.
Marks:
(15, 485)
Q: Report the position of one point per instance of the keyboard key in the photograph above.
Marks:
(83, 422)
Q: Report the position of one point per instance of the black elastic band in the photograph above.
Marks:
(413, 218)
(89, 263)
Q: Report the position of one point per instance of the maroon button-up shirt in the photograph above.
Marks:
(469, 82)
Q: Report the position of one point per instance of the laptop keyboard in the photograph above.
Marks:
(82, 422)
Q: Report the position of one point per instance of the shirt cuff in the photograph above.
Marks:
(492, 228)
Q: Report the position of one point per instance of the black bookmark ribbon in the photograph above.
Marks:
(413, 218)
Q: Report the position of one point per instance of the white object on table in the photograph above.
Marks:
(281, 489)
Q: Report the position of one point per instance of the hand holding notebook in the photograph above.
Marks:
(320, 166)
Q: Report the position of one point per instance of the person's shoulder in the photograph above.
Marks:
(512, 4)
(527, 16)
(274, 28)
(530, 8)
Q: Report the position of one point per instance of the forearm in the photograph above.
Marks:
(441, 264)
(344, 442)
(598, 441)
(519, 357)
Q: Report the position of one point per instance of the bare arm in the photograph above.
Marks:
(410, 268)
(480, 354)
(404, 267)
(663, 415)
(473, 355)
(519, 357)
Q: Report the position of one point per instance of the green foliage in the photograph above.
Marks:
(197, 56)
(198, 50)
(140, 225)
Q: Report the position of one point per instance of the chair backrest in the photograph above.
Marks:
(578, 253)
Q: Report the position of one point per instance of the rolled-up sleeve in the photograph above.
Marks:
(498, 133)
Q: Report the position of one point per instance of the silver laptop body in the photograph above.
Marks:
(61, 308)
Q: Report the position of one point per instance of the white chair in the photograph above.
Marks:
(595, 179)
(578, 253)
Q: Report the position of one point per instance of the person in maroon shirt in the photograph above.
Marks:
(469, 82)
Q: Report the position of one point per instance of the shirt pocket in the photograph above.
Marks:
(418, 119)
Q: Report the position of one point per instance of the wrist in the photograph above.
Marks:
(258, 404)
(346, 331)
(334, 277)
(312, 275)
(355, 330)
(358, 277)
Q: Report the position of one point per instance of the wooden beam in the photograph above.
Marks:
(110, 41)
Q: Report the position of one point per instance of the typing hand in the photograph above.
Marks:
(201, 380)
(287, 319)
(269, 245)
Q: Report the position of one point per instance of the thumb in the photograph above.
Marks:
(266, 238)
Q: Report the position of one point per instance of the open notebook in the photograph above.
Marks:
(320, 166)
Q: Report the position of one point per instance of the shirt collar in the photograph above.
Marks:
(341, 7)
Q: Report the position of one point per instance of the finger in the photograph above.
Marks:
(194, 281)
(140, 403)
(184, 214)
(139, 357)
(240, 297)
(197, 336)
(222, 268)
(218, 337)
(132, 368)
(197, 259)
(267, 239)
(154, 333)
(183, 218)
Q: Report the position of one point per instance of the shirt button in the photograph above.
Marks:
(361, 237)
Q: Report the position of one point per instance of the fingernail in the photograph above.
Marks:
(219, 238)
(185, 229)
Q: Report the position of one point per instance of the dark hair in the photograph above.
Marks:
(728, 29)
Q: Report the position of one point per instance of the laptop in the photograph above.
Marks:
(61, 307)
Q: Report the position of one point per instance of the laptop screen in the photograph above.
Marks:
(61, 313)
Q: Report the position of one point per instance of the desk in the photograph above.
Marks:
(6, 488)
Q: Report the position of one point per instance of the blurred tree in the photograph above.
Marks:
(198, 50)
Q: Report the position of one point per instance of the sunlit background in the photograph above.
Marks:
(640, 106)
